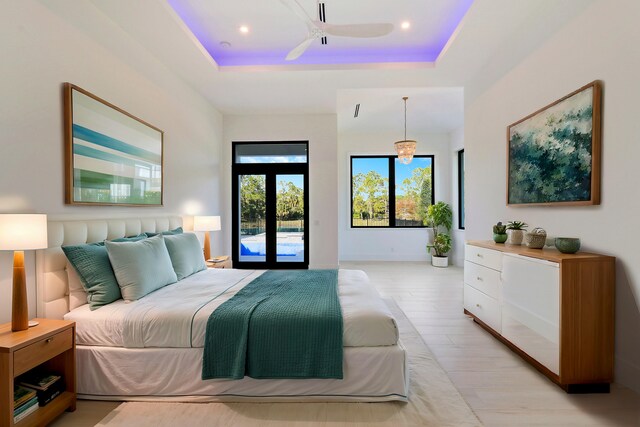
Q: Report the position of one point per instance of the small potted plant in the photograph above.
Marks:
(439, 218)
(515, 232)
(500, 233)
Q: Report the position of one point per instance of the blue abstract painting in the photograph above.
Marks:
(554, 153)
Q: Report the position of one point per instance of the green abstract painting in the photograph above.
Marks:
(554, 153)
(113, 158)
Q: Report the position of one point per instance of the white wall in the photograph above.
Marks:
(321, 132)
(357, 244)
(600, 43)
(40, 51)
(456, 144)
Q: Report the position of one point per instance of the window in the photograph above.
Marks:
(387, 193)
(461, 189)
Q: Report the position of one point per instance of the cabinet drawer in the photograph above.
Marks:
(482, 278)
(32, 355)
(484, 307)
(487, 257)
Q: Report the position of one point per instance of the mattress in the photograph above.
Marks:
(175, 316)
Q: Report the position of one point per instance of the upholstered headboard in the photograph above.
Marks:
(51, 277)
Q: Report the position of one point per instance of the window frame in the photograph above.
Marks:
(461, 178)
(392, 189)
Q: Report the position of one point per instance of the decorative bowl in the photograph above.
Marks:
(568, 245)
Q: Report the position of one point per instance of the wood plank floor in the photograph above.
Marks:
(499, 386)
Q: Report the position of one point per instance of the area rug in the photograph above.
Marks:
(433, 401)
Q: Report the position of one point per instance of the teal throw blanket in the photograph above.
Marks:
(284, 324)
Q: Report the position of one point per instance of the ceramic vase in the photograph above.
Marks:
(499, 238)
(515, 237)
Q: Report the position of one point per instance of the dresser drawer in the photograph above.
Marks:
(34, 354)
(484, 307)
(487, 257)
(482, 278)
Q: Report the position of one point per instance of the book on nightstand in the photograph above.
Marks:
(25, 401)
(47, 386)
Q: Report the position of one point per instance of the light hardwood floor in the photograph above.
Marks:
(499, 386)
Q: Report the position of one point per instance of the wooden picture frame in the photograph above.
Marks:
(553, 155)
(112, 158)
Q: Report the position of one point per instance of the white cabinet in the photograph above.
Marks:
(482, 285)
(531, 307)
(555, 310)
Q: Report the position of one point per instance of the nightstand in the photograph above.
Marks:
(52, 345)
(222, 262)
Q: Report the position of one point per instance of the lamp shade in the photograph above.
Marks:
(22, 232)
(206, 223)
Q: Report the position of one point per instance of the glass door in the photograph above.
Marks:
(253, 213)
(270, 201)
(290, 225)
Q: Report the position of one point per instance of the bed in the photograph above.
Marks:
(125, 351)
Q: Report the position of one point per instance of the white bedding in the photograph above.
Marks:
(176, 315)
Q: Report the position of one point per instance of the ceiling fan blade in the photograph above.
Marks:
(358, 30)
(299, 50)
(300, 11)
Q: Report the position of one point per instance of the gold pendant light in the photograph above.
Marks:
(407, 147)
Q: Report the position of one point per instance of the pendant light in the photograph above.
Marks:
(407, 147)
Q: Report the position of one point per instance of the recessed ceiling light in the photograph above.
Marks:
(406, 25)
(244, 29)
(225, 44)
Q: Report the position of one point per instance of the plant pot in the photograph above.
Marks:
(515, 237)
(440, 261)
(500, 238)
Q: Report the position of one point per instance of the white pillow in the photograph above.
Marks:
(77, 294)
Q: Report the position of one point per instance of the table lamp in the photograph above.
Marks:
(206, 224)
(19, 233)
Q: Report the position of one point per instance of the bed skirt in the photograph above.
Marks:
(371, 374)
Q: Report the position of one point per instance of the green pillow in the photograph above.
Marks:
(166, 233)
(186, 254)
(141, 267)
(91, 261)
(131, 238)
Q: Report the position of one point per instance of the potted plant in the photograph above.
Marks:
(500, 233)
(515, 232)
(440, 219)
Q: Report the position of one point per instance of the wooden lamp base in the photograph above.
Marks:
(19, 309)
(207, 246)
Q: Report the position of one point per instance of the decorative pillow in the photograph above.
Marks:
(186, 254)
(77, 294)
(91, 262)
(131, 238)
(141, 267)
(166, 233)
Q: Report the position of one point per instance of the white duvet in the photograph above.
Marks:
(176, 315)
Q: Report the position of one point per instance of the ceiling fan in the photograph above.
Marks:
(319, 29)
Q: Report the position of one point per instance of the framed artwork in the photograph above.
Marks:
(111, 156)
(553, 155)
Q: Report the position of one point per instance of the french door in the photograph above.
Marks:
(270, 205)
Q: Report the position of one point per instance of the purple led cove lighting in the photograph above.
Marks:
(428, 52)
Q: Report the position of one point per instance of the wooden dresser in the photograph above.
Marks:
(555, 310)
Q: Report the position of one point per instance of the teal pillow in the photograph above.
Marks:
(166, 233)
(141, 267)
(186, 254)
(91, 261)
(131, 238)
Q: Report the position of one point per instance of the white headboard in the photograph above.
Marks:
(51, 277)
